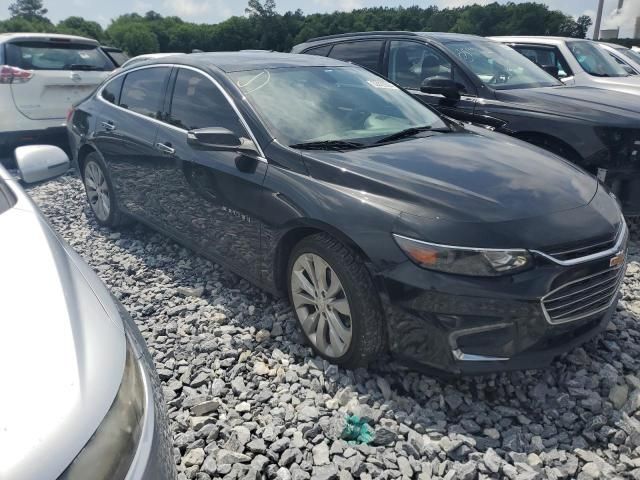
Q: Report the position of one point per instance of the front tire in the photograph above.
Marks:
(335, 301)
(100, 192)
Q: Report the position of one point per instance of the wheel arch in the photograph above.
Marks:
(538, 139)
(300, 230)
(83, 153)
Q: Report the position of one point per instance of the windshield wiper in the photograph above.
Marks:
(407, 132)
(328, 145)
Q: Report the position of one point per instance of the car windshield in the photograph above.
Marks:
(331, 104)
(595, 61)
(499, 66)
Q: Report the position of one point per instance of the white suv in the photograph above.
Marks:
(41, 76)
(578, 62)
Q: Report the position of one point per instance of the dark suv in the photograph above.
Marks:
(477, 80)
(387, 225)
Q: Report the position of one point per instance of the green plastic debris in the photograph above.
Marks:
(357, 430)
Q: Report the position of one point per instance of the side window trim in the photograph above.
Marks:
(228, 97)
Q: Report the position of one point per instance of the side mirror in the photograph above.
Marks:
(551, 70)
(219, 138)
(441, 86)
(37, 163)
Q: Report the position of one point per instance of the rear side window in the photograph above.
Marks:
(111, 91)
(322, 51)
(57, 56)
(365, 53)
(197, 103)
(143, 91)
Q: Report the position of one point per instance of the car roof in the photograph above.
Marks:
(251, 60)
(537, 39)
(10, 37)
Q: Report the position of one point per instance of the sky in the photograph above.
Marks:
(214, 11)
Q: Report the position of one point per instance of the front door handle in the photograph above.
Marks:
(165, 148)
(108, 126)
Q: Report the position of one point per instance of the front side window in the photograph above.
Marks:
(413, 63)
(499, 66)
(324, 104)
(544, 56)
(197, 103)
(57, 56)
(594, 60)
(627, 52)
(143, 91)
(365, 53)
(111, 91)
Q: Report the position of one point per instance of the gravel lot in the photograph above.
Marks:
(248, 400)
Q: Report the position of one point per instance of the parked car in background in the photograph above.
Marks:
(624, 56)
(387, 225)
(41, 76)
(579, 62)
(85, 377)
(117, 55)
(476, 80)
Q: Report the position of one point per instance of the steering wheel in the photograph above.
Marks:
(500, 77)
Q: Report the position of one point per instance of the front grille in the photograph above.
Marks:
(582, 249)
(583, 297)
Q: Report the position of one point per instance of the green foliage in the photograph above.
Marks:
(28, 9)
(80, 26)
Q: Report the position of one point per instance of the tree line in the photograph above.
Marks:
(264, 28)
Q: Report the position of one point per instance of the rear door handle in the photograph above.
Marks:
(109, 126)
(166, 148)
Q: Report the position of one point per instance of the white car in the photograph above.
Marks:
(626, 57)
(41, 76)
(578, 62)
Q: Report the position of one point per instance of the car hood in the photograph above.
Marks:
(62, 348)
(464, 176)
(630, 84)
(586, 103)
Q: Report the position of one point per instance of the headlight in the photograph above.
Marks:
(110, 451)
(462, 260)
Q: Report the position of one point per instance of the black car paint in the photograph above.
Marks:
(569, 117)
(473, 188)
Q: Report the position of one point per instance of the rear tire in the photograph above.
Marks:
(335, 302)
(100, 192)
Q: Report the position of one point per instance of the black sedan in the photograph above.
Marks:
(388, 226)
(477, 80)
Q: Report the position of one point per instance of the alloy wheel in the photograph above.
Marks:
(97, 191)
(321, 304)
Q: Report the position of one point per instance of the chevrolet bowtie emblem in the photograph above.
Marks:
(617, 260)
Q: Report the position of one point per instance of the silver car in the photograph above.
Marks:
(80, 397)
(576, 61)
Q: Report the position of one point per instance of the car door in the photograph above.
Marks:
(410, 63)
(209, 199)
(125, 134)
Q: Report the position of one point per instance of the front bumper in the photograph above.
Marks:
(467, 325)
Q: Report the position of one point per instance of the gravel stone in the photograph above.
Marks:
(246, 398)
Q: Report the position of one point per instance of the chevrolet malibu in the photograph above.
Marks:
(89, 402)
(388, 226)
